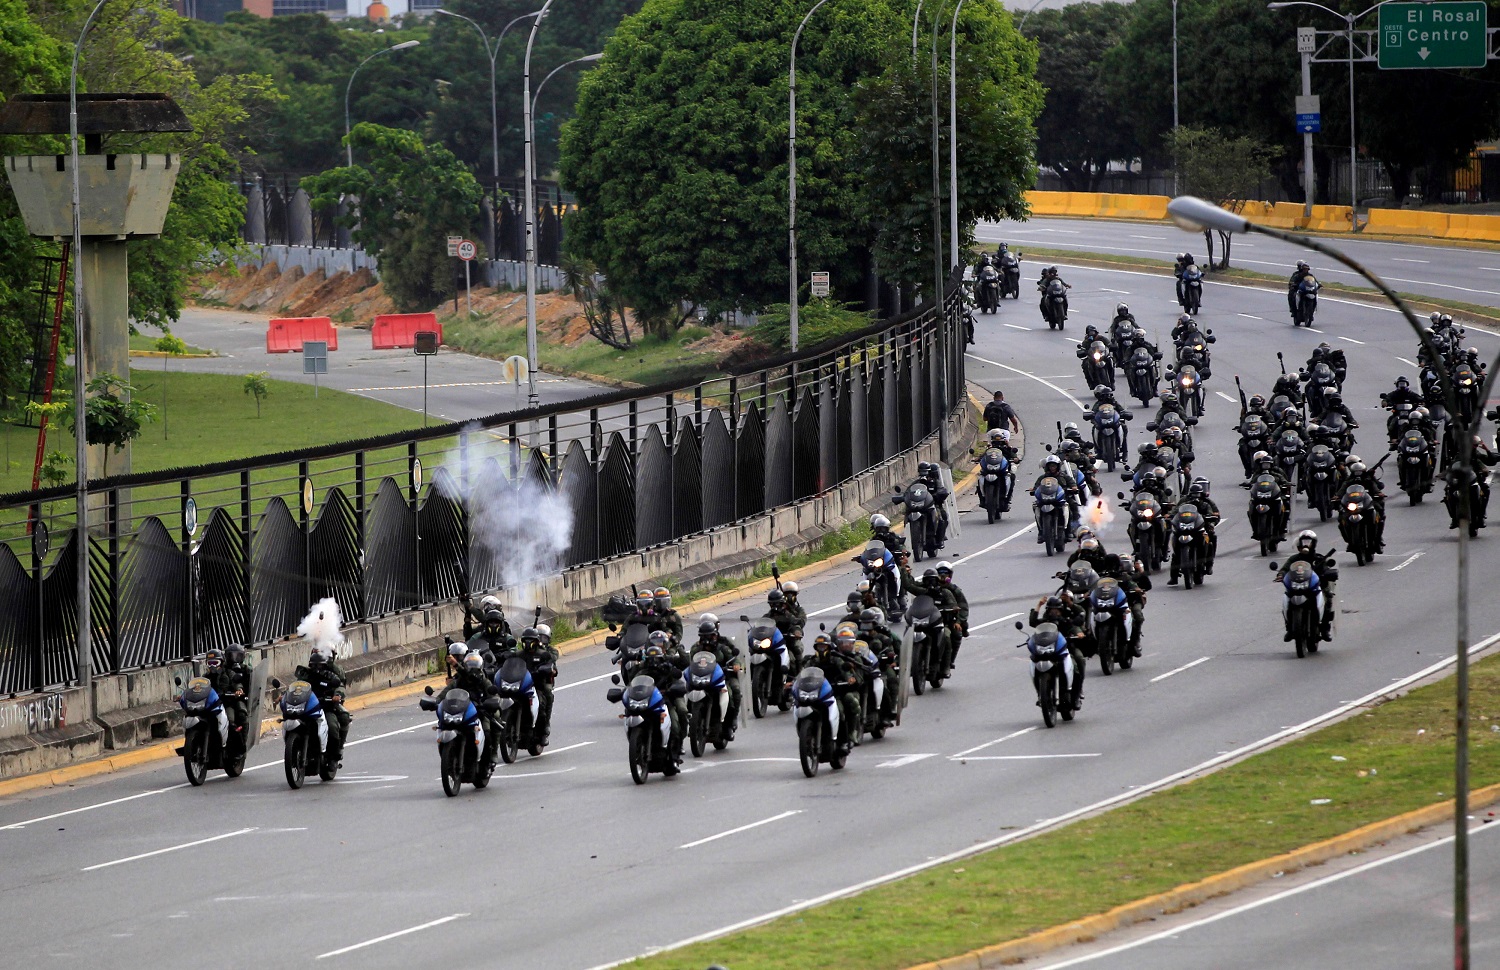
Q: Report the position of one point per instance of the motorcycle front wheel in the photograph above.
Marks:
(295, 761)
(195, 758)
(640, 754)
(510, 740)
(698, 732)
(807, 746)
(1048, 701)
(451, 758)
(1107, 650)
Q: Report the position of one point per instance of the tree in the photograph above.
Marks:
(168, 346)
(112, 418)
(584, 283)
(410, 196)
(1428, 120)
(1079, 132)
(1224, 170)
(677, 151)
(258, 386)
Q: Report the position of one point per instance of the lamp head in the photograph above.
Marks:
(405, 44)
(1196, 215)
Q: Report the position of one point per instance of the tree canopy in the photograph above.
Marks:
(677, 153)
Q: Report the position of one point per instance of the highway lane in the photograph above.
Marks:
(564, 862)
(1390, 912)
(1452, 272)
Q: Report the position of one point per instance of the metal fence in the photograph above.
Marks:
(393, 523)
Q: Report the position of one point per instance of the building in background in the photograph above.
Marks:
(378, 10)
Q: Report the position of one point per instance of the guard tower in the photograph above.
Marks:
(121, 197)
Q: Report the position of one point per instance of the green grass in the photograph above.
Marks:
(210, 419)
(1392, 759)
(650, 361)
(142, 341)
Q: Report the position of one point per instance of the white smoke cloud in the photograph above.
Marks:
(1098, 516)
(323, 626)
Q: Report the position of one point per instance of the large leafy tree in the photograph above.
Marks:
(410, 196)
(678, 151)
(1079, 132)
(1222, 168)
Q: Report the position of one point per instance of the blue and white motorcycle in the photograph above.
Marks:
(462, 752)
(817, 722)
(519, 707)
(207, 741)
(1110, 624)
(1051, 672)
(305, 731)
(708, 704)
(648, 727)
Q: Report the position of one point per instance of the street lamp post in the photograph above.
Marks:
(1348, 19)
(348, 145)
(531, 396)
(84, 660)
(1196, 215)
(953, 131)
(938, 265)
(791, 179)
(1176, 174)
(493, 51)
(537, 94)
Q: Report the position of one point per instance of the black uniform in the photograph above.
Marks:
(327, 680)
(1071, 622)
(232, 683)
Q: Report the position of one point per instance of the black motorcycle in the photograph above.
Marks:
(1189, 382)
(930, 647)
(768, 667)
(1010, 275)
(1189, 545)
(995, 483)
(1055, 304)
(1289, 451)
(519, 707)
(1320, 383)
(1359, 523)
(1147, 530)
(820, 733)
(1255, 435)
(1321, 474)
(1110, 625)
(1098, 364)
(202, 748)
(1414, 464)
(1050, 510)
(987, 290)
(1192, 290)
(1300, 609)
(1108, 422)
(1049, 661)
(1141, 374)
(1306, 301)
(921, 521)
(1268, 512)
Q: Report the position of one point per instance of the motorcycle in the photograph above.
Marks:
(1189, 389)
(818, 722)
(1320, 383)
(648, 727)
(1359, 523)
(872, 695)
(630, 648)
(1255, 434)
(1110, 624)
(1302, 606)
(305, 732)
(1322, 477)
(930, 653)
(1141, 374)
(461, 748)
(1192, 290)
(1268, 512)
(1281, 410)
(1289, 451)
(995, 483)
(1051, 672)
(708, 704)
(1414, 468)
(1122, 338)
(987, 290)
(520, 707)
(1467, 384)
(770, 666)
(1147, 530)
(1307, 301)
(1098, 364)
(1189, 545)
(1055, 304)
(921, 521)
(1050, 508)
(1109, 433)
(1010, 275)
(1334, 431)
(203, 746)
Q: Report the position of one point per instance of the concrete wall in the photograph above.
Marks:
(487, 272)
(36, 733)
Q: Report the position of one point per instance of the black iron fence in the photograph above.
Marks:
(278, 212)
(388, 524)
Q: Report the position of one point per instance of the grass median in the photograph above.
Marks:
(1388, 760)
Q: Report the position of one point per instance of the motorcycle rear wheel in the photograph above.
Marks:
(807, 746)
(452, 760)
(328, 768)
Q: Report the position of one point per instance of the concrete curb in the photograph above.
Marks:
(168, 748)
(1193, 893)
(161, 353)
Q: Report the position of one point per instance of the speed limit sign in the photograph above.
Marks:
(466, 250)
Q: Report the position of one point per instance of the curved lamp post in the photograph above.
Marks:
(492, 51)
(791, 179)
(1196, 215)
(537, 94)
(348, 146)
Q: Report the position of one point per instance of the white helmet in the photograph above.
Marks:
(489, 601)
(878, 521)
(544, 631)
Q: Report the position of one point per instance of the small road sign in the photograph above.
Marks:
(190, 516)
(466, 250)
(453, 242)
(1418, 35)
(820, 284)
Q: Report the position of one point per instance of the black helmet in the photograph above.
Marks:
(1256, 401)
(1309, 537)
(1054, 603)
(493, 617)
(870, 617)
(531, 634)
(317, 658)
(853, 601)
(214, 659)
(1146, 447)
(707, 626)
(1401, 381)
(1121, 310)
(234, 655)
(930, 575)
(775, 597)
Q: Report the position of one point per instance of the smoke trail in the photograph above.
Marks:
(322, 627)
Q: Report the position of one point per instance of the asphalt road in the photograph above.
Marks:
(1442, 271)
(460, 386)
(565, 863)
(1390, 912)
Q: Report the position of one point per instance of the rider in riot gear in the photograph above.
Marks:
(1298, 275)
(1328, 575)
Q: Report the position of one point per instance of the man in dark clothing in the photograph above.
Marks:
(790, 620)
(998, 414)
(1328, 574)
(664, 663)
(1298, 275)
(958, 619)
(541, 659)
(229, 675)
(1070, 621)
(882, 643)
(474, 616)
(1136, 582)
(327, 680)
(470, 676)
(493, 640)
(843, 676)
(727, 656)
(665, 615)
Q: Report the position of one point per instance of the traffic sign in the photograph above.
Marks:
(1418, 35)
(1309, 113)
(466, 250)
(820, 284)
(190, 516)
(315, 357)
(453, 242)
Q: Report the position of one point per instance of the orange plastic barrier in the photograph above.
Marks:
(394, 331)
(286, 335)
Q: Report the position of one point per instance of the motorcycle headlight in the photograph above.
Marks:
(1353, 506)
(1147, 513)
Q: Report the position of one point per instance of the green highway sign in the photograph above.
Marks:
(1416, 35)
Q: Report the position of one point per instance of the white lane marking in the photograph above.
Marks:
(364, 779)
(373, 737)
(1251, 316)
(1405, 361)
(1152, 238)
(1409, 560)
(1030, 830)
(1040, 380)
(906, 759)
(1398, 259)
(571, 747)
(987, 744)
(170, 848)
(1121, 292)
(90, 808)
(580, 683)
(1352, 340)
(1313, 330)
(997, 545)
(1225, 397)
(507, 775)
(1014, 326)
(742, 828)
(1256, 904)
(1008, 616)
(828, 609)
(392, 936)
(1492, 269)
(1179, 669)
(1029, 757)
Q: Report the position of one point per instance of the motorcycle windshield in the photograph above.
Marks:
(923, 612)
(917, 498)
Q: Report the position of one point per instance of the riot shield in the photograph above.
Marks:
(254, 697)
(950, 503)
(903, 684)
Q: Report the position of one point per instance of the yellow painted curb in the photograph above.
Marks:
(1193, 893)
